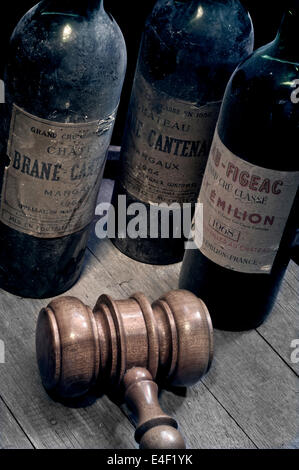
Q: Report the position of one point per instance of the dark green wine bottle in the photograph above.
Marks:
(250, 188)
(188, 53)
(64, 77)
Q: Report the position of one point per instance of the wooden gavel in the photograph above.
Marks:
(127, 344)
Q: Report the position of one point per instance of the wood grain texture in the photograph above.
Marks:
(11, 435)
(202, 420)
(255, 387)
(282, 326)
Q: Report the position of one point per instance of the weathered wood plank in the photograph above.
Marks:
(256, 387)
(249, 379)
(11, 435)
(282, 327)
(204, 423)
(49, 424)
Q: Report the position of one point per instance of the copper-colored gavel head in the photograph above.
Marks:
(129, 344)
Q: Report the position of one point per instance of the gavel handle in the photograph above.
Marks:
(155, 429)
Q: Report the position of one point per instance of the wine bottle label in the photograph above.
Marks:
(245, 211)
(50, 186)
(166, 145)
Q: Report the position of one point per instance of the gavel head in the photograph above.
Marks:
(78, 348)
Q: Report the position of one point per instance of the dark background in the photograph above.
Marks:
(131, 16)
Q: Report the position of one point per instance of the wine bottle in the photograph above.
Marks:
(189, 50)
(65, 72)
(250, 187)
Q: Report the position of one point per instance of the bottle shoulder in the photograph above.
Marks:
(267, 61)
(71, 64)
(259, 118)
(188, 25)
(46, 35)
(187, 55)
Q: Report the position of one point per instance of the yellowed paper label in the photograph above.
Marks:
(245, 211)
(166, 145)
(51, 185)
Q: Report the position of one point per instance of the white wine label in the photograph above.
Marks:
(245, 211)
(166, 145)
(51, 184)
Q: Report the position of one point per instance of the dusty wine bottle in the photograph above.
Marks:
(250, 188)
(64, 77)
(189, 50)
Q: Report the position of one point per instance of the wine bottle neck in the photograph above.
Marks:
(95, 4)
(288, 35)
